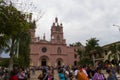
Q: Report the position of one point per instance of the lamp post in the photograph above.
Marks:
(117, 26)
(119, 31)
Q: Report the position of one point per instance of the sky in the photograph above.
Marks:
(81, 19)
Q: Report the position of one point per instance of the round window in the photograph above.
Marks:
(44, 49)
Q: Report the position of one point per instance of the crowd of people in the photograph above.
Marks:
(47, 73)
(18, 73)
(86, 73)
(81, 72)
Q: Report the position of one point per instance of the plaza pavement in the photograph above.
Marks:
(34, 76)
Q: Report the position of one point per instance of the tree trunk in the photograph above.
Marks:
(11, 63)
(93, 57)
(11, 56)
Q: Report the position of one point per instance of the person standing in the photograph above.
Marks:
(61, 75)
(98, 75)
(21, 74)
(13, 76)
(90, 71)
(111, 76)
(81, 75)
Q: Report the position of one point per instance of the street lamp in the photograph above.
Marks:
(117, 26)
(116, 46)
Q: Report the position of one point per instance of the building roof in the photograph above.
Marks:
(107, 45)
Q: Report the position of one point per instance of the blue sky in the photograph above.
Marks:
(82, 19)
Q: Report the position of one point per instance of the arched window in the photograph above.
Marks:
(75, 56)
(43, 62)
(59, 50)
(75, 63)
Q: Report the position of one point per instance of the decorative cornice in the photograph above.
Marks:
(34, 54)
(59, 54)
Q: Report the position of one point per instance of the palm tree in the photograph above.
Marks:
(92, 48)
(115, 52)
(76, 44)
(92, 44)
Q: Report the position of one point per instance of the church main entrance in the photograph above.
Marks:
(59, 63)
(75, 63)
(43, 62)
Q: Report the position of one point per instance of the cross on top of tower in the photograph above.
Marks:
(56, 20)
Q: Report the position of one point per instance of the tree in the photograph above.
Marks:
(83, 58)
(76, 44)
(115, 52)
(24, 50)
(4, 62)
(92, 48)
(93, 45)
(12, 24)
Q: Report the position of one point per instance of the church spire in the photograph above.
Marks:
(44, 36)
(56, 20)
(57, 33)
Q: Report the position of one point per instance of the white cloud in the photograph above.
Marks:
(82, 19)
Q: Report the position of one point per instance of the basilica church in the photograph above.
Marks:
(54, 52)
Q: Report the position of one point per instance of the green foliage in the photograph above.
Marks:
(85, 61)
(11, 21)
(4, 63)
(91, 45)
(20, 61)
(24, 50)
(76, 44)
(14, 26)
(115, 51)
(113, 48)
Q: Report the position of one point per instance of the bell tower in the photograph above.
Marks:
(57, 33)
